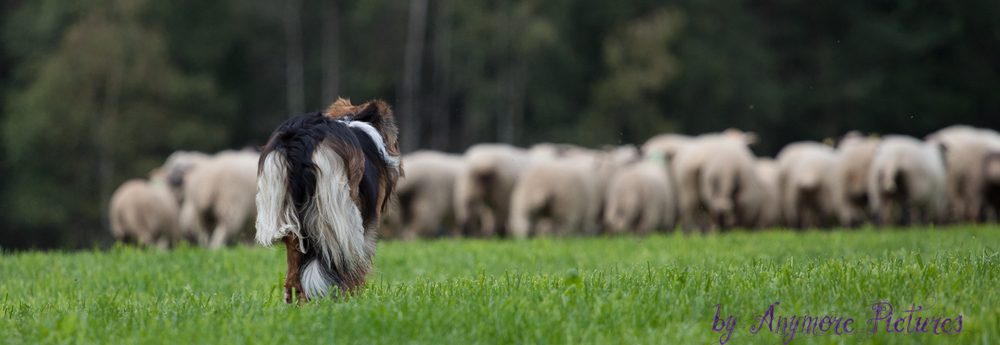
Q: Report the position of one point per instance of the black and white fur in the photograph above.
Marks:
(324, 182)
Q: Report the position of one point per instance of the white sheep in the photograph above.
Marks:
(907, 174)
(991, 178)
(565, 195)
(805, 177)
(709, 170)
(219, 197)
(641, 198)
(426, 194)
(665, 145)
(770, 206)
(483, 189)
(966, 149)
(178, 165)
(554, 198)
(145, 211)
(850, 178)
(730, 188)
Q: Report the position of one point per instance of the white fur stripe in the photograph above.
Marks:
(333, 220)
(314, 283)
(377, 138)
(276, 216)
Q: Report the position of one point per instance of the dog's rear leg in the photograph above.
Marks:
(293, 280)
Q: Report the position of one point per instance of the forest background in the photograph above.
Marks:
(95, 92)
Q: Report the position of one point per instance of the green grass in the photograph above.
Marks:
(660, 289)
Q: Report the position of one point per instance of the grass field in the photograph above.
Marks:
(661, 289)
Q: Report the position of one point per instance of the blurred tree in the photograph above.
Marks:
(440, 119)
(727, 75)
(330, 50)
(104, 107)
(495, 77)
(294, 75)
(96, 91)
(410, 114)
(640, 65)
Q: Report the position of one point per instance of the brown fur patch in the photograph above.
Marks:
(340, 108)
(386, 126)
(293, 280)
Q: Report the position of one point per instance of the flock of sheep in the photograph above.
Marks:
(200, 198)
(703, 183)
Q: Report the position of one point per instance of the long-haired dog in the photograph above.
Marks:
(323, 181)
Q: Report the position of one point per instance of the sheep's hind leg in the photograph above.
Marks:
(219, 237)
(293, 280)
(163, 243)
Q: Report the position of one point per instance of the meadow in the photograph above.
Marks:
(661, 289)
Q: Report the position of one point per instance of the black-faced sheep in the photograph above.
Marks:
(219, 198)
(909, 174)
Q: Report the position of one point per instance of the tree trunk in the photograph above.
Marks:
(105, 140)
(441, 115)
(513, 90)
(517, 93)
(508, 84)
(331, 51)
(293, 53)
(413, 59)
